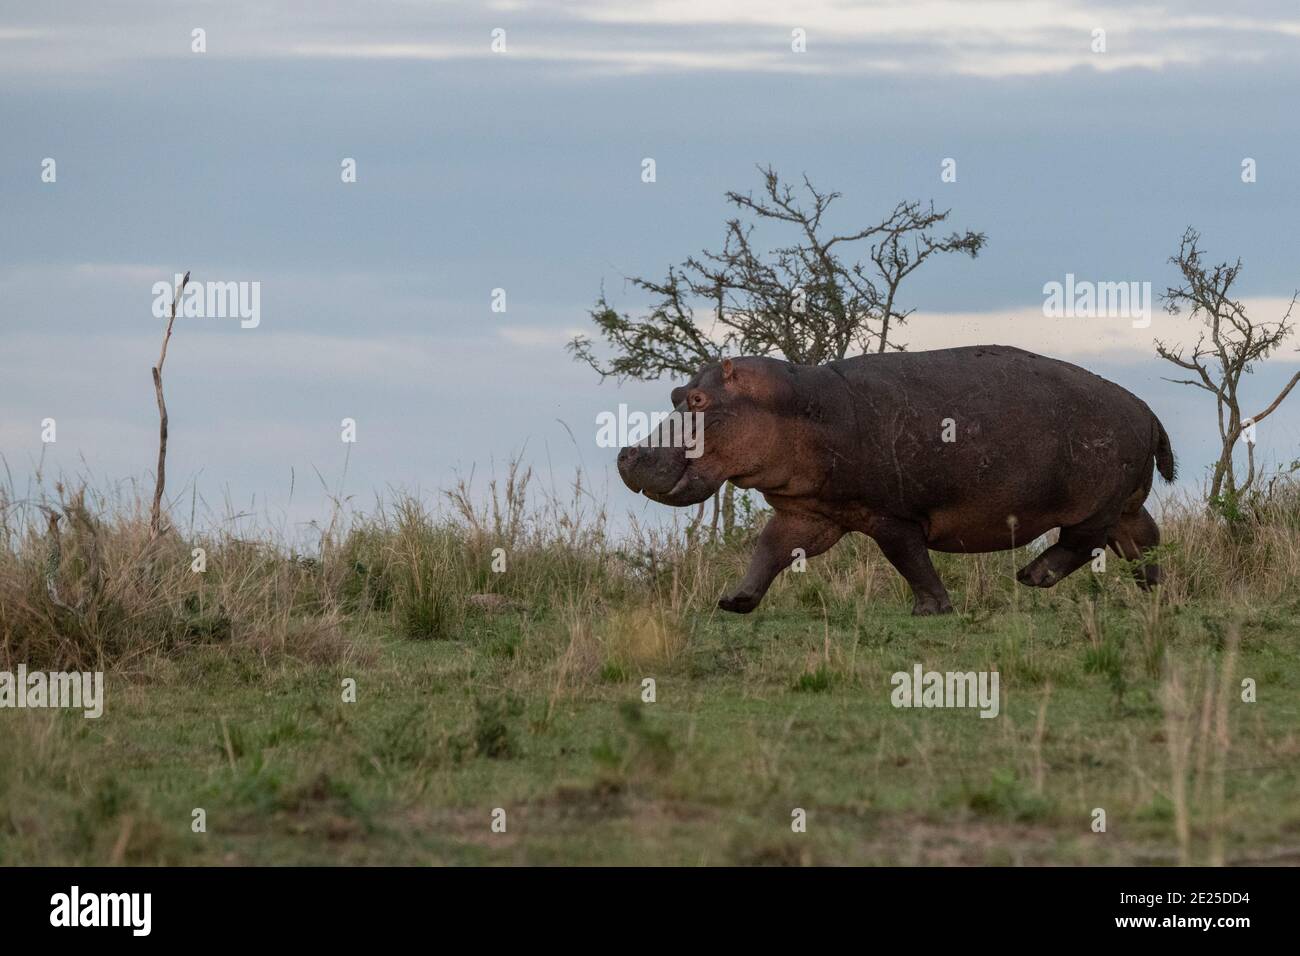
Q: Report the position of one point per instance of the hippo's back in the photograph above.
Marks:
(974, 370)
(964, 438)
(1036, 391)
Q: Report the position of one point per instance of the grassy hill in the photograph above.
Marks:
(524, 691)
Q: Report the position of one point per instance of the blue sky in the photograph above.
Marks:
(521, 170)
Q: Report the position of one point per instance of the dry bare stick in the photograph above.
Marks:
(53, 558)
(1222, 741)
(1202, 733)
(575, 627)
(225, 737)
(81, 519)
(699, 517)
(1040, 729)
(1177, 735)
(155, 516)
(118, 856)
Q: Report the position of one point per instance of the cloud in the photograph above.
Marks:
(539, 337)
(1114, 339)
(990, 39)
(140, 275)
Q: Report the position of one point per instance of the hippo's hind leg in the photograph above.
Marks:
(1073, 549)
(784, 533)
(1132, 539)
(903, 543)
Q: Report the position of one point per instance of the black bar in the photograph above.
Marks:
(331, 905)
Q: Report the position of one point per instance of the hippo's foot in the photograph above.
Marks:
(1037, 575)
(740, 602)
(1149, 576)
(1055, 564)
(928, 604)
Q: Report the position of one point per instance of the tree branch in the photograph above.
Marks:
(160, 479)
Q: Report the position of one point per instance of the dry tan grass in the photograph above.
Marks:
(107, 595)
(1199, 737)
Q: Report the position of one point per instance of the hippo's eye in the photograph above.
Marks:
(696, 400)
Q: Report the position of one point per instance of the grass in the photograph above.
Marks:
(602, 702)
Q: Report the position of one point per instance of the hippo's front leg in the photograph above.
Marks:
(785, 532)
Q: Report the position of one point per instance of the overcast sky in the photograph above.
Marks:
(522, 170)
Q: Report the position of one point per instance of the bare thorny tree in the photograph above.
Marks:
(815, 299)
(86, 608)
(160, 476)
(1228, 346)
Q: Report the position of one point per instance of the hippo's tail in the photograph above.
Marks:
(1164, 453)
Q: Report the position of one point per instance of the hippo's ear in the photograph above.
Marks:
(679, 395)
(728, 370)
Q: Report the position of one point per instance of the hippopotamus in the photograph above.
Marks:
(964, 450)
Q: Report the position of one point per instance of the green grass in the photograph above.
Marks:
(540, 713)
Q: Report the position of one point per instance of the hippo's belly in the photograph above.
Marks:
(976, 529)
(967, 529)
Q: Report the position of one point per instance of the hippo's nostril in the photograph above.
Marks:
(627, 456)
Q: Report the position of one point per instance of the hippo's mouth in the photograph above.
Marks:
(690, 489)
(665, 476)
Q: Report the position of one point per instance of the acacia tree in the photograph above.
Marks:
(813, 299)
(806, 300)
(1227, 348)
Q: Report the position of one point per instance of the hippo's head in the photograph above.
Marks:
(730, 423)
